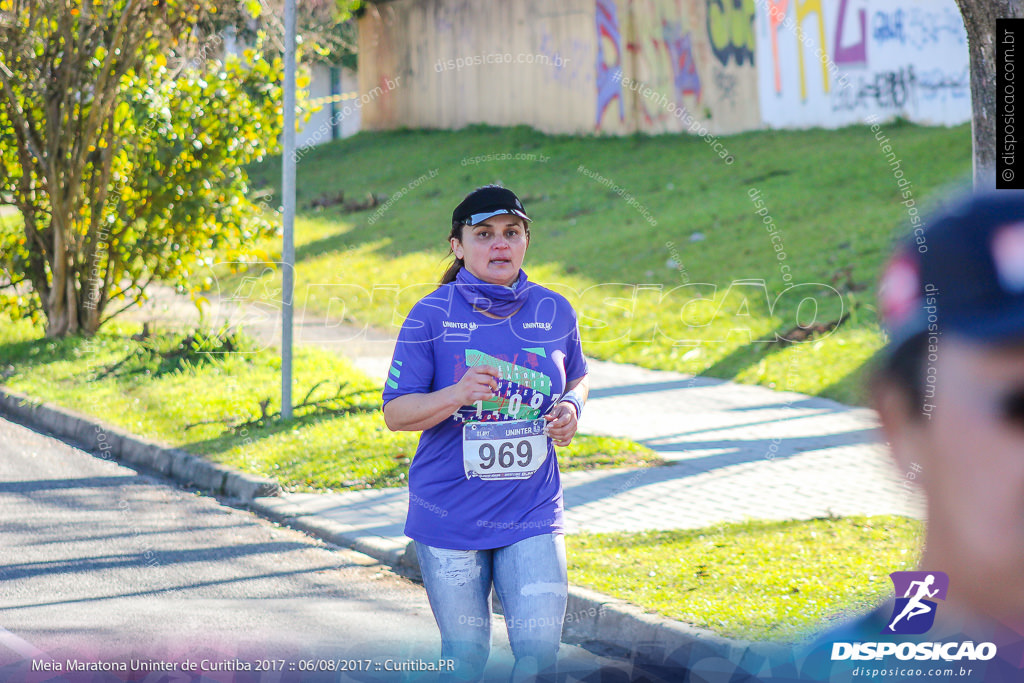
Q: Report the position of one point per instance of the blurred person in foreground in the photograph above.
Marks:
(950, 396)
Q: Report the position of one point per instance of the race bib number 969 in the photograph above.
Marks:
(513, 449)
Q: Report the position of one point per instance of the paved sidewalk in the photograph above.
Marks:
(735, 451)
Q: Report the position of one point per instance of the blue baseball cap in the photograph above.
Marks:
(963, 273)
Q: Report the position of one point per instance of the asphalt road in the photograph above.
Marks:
(100, 563)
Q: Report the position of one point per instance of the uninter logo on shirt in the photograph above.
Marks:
(537, 326)
(459, 326)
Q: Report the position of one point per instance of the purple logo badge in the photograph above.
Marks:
(914, 612)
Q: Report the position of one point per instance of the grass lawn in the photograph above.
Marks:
(148, 390)
(759, 580)
(677, 272)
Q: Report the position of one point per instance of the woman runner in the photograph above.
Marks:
(490, 368)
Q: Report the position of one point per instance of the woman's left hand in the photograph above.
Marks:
(561, 426)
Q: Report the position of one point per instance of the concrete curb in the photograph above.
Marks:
(332, 532)
(593, 616)
(113, 444)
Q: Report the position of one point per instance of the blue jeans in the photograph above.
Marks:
(531, 581)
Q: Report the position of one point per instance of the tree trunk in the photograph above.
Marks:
(61, 307)
(980, 21)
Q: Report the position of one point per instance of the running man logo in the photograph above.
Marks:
(914, 613)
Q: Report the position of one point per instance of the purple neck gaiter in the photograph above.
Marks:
(498, 300)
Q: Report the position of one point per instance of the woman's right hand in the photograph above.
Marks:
(416, 412)
(480, 383)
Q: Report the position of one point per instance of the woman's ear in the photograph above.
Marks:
(457, 247)
(903, 431)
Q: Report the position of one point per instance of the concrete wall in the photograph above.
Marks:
(465, 61)
(675, 56)
(620, 66)
(836, 62)
(337, 117)
(329, 122)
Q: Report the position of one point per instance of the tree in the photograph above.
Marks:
(124, 134)
(122, 174)
(980, 21)
(325, 28)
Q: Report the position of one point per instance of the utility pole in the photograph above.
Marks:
(288, 190)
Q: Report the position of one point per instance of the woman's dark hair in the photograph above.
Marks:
(905, 370)
(457, 264)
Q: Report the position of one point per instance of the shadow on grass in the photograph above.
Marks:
(22, 356)
(395, 473)
(271, 427)
(853, 389)
(741, 357)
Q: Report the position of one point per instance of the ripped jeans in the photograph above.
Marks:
(531, 582)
